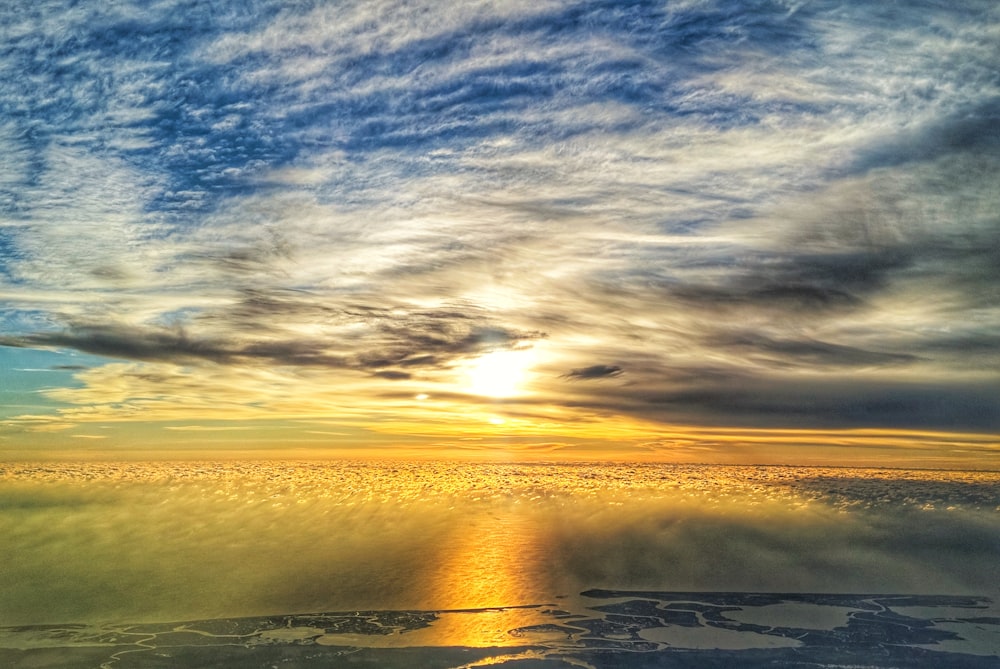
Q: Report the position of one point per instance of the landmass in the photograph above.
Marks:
(616, 628)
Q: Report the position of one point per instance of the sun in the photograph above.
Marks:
(500, 373)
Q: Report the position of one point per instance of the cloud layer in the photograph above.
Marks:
(142, 542)
(771, 214)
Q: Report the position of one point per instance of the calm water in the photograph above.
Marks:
(107, 543)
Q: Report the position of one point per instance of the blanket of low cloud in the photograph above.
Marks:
(114, 543)
(764, 214)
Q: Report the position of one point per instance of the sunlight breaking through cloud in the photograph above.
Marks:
(776, 215)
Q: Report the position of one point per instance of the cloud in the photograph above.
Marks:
(822, 402)
(808, 353)
(738, 207)
(421, 339)
(719, 529)
(964, 131)
(393, 375)
(595, 372)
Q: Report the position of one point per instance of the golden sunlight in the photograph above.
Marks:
(500, 373)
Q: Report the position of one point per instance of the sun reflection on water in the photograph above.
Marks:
(189, 541)
(493, 559)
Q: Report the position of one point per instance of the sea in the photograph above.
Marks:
(459, 564)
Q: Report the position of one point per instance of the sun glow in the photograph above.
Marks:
(500, 373)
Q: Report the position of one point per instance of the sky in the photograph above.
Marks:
(695, 231)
